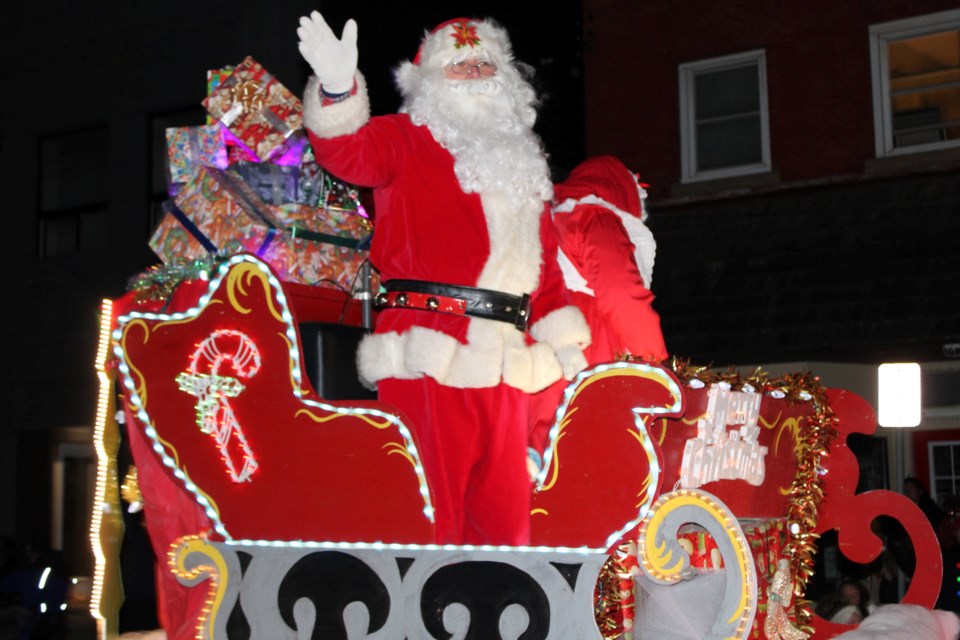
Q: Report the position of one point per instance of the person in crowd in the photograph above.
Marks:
(914, 489)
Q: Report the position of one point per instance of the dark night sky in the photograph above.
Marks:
(550, 42)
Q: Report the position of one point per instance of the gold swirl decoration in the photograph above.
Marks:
(193, 559)
(242, 276)
(664, 561)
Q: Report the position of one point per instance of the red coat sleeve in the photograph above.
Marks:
(369, 157)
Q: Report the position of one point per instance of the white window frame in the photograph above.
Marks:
(880, 36)
(955, 476)
(688, 142)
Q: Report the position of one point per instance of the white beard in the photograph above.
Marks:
(487, 125)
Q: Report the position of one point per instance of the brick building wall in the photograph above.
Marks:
(818, 79)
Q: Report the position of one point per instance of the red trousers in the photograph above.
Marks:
(472, 444)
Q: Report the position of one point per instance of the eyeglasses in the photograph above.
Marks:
(463, 68)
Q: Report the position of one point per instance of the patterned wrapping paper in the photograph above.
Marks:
(315, 263)
(171, 239)
(701, 547)
(275, 184)
(236, 152)
(331, 222)
(310, 184)
(338, 195)
(228, 213)
(214, 78)
(257, 108)
(190, 147)
(766, 538)
(327, 254)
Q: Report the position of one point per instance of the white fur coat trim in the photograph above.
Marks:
(564, 327)
(338, 119)
(495, 351)
(516, 255)
(644, 245)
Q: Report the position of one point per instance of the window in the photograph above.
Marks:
(73, 193)
(944, 469)
(916, 83)
(723, 117)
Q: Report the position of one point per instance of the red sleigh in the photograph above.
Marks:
(235, 448)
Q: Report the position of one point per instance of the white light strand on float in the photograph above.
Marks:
(652, 482)
(139, 410)
(396, 546)
(656, 373)
(103, 462)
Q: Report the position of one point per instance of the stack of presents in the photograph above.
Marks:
(247, 182)
(767, 539)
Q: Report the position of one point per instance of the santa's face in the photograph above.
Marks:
(469, 69)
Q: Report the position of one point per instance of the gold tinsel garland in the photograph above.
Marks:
(160, 281)
(607, 600)
(813, 442)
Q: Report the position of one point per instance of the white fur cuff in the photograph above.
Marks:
(339, 119)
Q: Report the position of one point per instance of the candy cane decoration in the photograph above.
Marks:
(214, 414)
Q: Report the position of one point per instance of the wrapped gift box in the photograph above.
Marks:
(316, 263)
(214, 78)
(222, 211)
(340, 196)
(327, 225)
(701, 548)
(257, 108)
(766, 539)
(190, 147)
(173, 238)
(227, 213)
(275, 184)
(324, 247)
(310, 184)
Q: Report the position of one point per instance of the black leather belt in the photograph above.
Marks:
(455, 299)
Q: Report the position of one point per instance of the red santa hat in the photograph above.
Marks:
(454, 40)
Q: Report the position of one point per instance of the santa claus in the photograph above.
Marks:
(475, 316)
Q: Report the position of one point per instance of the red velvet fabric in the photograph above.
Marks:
(472, 444)
(620, 312)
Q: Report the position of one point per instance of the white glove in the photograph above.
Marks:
(572, 360)
(334, 61)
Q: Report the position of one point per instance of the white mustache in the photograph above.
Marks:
(479, 87)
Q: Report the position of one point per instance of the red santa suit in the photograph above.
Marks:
(461, 381)
(606, 254)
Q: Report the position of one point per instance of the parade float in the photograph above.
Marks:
(275, 512)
